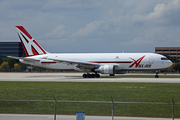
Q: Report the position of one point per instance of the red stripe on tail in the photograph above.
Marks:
(23, 47)
(39, 46)
(34, 51)
(24, 31)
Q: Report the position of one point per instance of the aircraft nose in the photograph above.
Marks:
(169, 63)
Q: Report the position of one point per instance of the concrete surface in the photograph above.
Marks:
(76, 77)
(70, 117)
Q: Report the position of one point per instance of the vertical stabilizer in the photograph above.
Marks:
(30, 45)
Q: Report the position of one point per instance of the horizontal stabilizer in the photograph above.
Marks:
(23, 58)
(15, 57)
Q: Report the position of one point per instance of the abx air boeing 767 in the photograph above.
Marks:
(90, 63)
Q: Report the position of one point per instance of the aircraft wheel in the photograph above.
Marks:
(89, 75)
(97, 75)
(85, 75)
(111, 75)
(156, 76)
(93, 75)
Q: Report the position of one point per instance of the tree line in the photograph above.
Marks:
(176, 63)
(13, 65)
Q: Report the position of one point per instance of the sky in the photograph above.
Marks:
(94, 26)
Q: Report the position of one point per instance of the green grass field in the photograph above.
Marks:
(73, 91)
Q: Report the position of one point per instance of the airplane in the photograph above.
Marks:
(92, 64)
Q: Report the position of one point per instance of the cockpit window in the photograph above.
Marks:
(164, 58)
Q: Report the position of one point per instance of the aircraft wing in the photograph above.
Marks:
(24, 58)
(80, 65)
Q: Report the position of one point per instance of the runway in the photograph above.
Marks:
(76, 77)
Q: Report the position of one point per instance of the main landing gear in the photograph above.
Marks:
(156, 76)
(90, 75)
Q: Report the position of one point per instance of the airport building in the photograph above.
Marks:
(171, 51)
(11, 49)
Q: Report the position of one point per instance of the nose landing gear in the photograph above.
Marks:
(156, 76)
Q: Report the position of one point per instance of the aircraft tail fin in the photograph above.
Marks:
(30, 45)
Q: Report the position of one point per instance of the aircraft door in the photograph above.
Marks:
(151, 60)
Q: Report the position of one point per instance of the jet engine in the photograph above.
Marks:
(106, 69)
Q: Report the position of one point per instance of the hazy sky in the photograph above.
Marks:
(94, 25)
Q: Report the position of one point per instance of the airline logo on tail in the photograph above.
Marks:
(31, 47)
(136, 62)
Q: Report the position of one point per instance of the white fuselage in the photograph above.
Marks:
(104, 63)
(122, 61)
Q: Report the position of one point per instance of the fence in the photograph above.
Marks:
(106, 108)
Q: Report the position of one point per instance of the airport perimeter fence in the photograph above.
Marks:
(93, 108)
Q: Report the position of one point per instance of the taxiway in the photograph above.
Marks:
(76, 77)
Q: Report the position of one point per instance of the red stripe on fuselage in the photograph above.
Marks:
(110, 61)
(48, 62)
(24, 31)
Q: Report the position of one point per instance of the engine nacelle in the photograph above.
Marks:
(106, 69)
(77, 69)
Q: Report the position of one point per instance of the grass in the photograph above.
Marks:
(73, 91)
